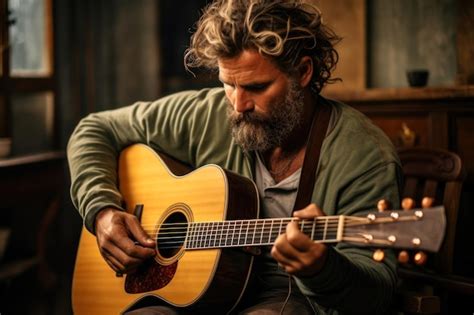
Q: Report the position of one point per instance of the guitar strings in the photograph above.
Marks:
(211, 238)
(212, 234)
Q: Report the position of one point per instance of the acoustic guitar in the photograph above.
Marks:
(200, 221)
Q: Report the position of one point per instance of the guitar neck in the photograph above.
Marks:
(259, 232)
(400, 229)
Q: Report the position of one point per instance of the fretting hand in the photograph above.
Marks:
(295, 252)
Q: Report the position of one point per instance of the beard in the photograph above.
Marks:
(258, 132)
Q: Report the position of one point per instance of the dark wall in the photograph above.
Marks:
(411, 34)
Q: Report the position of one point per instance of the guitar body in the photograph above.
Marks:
(195, 280)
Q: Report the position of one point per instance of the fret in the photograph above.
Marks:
(254, 230)
(325, 228)
(312, 229)
(222, 232)
(188, 235)
(196, 236)
(205, 234)
(263, 229)
(302, 226)
(216, 232)
(227, 230)
(215, 226)
(240, 233)
(202, 239)
(210, 226)
(270, 232)
(247, 233)
(233, 233)
(213, 234)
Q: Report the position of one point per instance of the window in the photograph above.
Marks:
(27, 75)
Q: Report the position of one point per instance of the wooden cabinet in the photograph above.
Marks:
(438, 118)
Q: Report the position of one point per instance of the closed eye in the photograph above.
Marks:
(256, 87)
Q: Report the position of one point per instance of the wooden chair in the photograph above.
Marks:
(438, 174)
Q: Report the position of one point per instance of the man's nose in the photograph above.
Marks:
(242, 101)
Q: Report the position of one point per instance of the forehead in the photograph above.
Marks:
(249, 66)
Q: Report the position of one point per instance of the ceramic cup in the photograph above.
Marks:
(417, 78)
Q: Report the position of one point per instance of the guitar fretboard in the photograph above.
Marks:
(238, 233)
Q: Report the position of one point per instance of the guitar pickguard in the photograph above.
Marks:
(150, 276)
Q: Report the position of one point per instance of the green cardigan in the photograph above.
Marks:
(358, 166)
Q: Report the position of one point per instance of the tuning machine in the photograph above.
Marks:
(378, 255)
(420, 258)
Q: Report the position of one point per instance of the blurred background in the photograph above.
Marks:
(61, 60)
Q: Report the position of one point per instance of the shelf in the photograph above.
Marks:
(403, 94)
(31, 158)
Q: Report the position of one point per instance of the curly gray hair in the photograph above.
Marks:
(284, 30)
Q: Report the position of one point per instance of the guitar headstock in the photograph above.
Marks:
(421, 229)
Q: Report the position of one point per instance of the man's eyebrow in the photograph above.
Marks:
(257, 84)
(250, 84)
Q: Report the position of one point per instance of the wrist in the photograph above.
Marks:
(102, 214)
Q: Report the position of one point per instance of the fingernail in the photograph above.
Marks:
(149, 240)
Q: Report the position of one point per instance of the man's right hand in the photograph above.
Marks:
(122, 241)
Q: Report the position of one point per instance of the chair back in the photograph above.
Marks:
(438, 174)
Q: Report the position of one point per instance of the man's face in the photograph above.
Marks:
(265, 105)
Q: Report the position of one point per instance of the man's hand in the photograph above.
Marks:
(296, 252)
(117, 233)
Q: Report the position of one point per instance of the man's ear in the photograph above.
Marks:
(305, 71)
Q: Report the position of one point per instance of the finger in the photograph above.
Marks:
(309, 212)
(282, 261)
(297, 239)
(112, 261)
(284, 256)
(286, 249)
(128, 249)
(125, 261)
(138, 233)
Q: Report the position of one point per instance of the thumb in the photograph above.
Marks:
(309, 212)
(139, 234)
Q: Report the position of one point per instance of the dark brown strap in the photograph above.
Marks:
(318, 131)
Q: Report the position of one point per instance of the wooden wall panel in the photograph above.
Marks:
(463, 141)
(347, 18)
(392, 125)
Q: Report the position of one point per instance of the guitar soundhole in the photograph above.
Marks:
(171, 235)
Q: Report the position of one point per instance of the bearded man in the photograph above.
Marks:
(273, 58)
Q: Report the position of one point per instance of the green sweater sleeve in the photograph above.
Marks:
(185, 125)
(352, 282)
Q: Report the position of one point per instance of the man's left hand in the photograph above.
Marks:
(296, 252)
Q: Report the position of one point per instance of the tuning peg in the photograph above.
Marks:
(408, 203)
(427, 202)
(403, 257)
(420, 258)
(382, 205)
(378, 255)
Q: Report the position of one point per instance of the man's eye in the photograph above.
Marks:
(257, 88)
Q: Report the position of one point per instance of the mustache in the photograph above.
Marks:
(246, 118)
